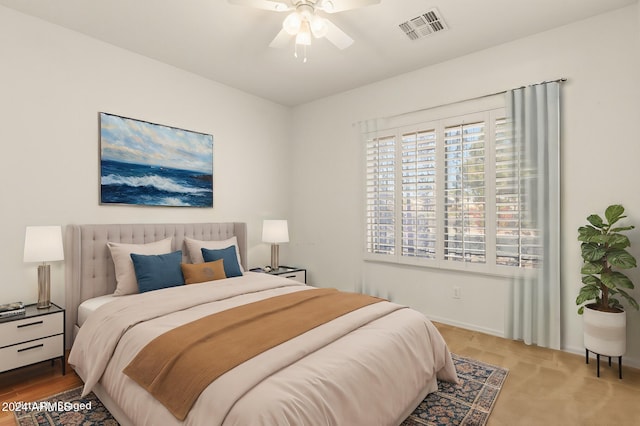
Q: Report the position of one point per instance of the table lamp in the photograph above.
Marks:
(43, 244)
(275, 232)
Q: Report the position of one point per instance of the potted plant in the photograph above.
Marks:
(604, 253)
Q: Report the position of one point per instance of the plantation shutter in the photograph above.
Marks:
(419, 226)
(517, 240)
(380, 194)
(464, 192)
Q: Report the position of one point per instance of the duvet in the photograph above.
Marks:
(371, 366)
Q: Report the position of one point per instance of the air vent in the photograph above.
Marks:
(421, 26)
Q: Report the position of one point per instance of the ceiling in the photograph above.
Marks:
(230, 44)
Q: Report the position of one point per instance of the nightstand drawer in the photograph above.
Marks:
(31, 328)
(31, 352)
(300, 276)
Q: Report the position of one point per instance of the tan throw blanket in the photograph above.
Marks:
(178, 365)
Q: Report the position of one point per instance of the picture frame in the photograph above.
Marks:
(149, 164)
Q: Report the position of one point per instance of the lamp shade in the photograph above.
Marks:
(318, 26)
(275, 231)
(43, 244)
(292, 23)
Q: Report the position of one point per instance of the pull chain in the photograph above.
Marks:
(295, 53)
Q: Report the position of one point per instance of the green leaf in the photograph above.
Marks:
(608, 280)
(587, 293)
(599, 239)
(620, 291)
(591, 268)
(591, 280)
(583, 298)
(621, 259)
(586, 233)
(592, 252)
(629, 299)
(616, 279)
(623, 228)
(618, 241)
(596, 221)
(614, 213)
(591, 288)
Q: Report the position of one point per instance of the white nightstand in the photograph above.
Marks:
(36, 336)
(296, 274)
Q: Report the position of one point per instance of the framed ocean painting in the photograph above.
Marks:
(149, 164)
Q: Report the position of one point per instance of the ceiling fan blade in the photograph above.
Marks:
(274, 6)
(334, 6)
(336, 36)
(281, 40)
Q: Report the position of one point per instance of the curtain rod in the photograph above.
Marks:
(558, 80)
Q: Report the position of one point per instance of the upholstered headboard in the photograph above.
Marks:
(89, 269)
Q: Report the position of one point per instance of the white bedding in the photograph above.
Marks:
(369, 367)
(87, 307)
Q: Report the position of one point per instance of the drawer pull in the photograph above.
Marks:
(30, 324)
(31, 347)
(290, 276)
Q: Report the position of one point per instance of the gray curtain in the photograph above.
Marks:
(533, 300)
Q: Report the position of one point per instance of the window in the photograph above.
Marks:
(381, 195)
(449, 193)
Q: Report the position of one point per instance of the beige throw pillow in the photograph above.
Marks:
(125, 273)
(195, 253)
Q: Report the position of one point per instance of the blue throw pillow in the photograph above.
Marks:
(229, 260)
(157, 271)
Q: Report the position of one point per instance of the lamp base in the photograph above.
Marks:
(44, 287)
(275, 256)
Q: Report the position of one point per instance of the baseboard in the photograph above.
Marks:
(466, 326)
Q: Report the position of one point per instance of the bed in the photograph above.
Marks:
(372, 365)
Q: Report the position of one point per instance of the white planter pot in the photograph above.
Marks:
(605, 333)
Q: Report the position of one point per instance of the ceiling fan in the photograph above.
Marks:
(304, 21)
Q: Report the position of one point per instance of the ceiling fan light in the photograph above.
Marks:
(304, 35)
(292, 23)
(318, 26)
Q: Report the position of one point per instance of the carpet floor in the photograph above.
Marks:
(467, 403)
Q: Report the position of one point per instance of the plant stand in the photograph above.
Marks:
(598, 361)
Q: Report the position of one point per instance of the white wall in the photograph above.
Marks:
(600, 152)
(54, 83)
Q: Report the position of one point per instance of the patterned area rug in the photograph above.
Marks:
(66, 408)
(468, 403)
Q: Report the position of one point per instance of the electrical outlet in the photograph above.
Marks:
(456, 293)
